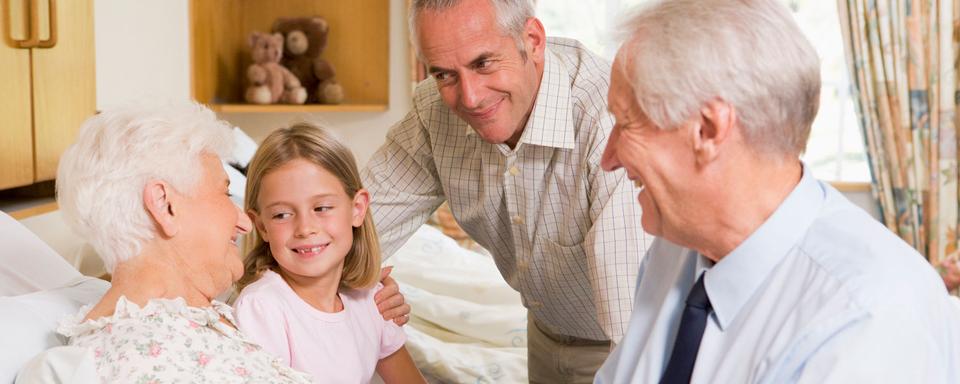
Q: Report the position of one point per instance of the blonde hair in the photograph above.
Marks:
(361, 267)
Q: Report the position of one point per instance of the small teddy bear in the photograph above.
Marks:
(269, 82)
(306, 38)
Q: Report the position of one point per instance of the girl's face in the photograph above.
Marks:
(307, 218)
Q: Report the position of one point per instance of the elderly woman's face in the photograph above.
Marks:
(211, 225)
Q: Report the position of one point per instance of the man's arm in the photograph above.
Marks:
(616, 243)
(403, 183)
(404, 190)
(881, 348)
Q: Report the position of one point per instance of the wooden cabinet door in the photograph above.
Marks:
(64, 85)
(16, 139)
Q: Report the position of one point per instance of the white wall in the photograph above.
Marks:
(142, 50)
(865, 200)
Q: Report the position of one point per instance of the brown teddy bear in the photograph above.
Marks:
(306, 38)
(269, 82)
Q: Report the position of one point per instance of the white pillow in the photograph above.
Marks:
(244, 147)
(238, 184)
(64, 364)
(54, 231)
(29, 321)
(27, 264)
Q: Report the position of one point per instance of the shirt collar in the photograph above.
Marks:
(551, 121)
(732, 281)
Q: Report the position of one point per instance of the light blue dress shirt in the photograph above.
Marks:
(821, 292)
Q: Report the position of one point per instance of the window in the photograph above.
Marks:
(835, 151)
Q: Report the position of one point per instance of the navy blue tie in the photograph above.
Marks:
(687, 345)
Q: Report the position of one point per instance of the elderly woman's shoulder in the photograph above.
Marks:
(125, 312)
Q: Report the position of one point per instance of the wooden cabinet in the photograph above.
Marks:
(47, 57)
(358, 47)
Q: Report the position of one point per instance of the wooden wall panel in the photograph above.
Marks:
(64, 85)
(16, 126)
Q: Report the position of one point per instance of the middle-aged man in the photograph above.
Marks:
(761, 273)
(510, 130)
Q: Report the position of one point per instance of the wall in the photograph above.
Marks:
(865, 200)
(143, 52)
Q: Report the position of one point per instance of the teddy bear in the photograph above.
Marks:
(268, 81)
(305, 40)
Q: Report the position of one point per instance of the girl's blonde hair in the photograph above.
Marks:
(361, 267)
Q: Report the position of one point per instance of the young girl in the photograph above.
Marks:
(308, 283)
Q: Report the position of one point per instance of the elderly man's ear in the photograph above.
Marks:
(715, 127)
(162, 207)
(535, 38)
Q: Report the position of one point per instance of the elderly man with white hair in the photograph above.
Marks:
(761, 273)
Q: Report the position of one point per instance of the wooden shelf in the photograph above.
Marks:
(308, 108)
(358, 48)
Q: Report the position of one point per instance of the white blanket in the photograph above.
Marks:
(467, 324)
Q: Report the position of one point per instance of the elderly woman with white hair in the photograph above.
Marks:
(146, 187)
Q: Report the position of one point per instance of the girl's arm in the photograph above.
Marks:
(399, 368)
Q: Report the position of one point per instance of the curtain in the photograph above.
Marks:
(903, 66)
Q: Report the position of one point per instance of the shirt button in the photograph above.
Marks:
(535, 304)
(522, 264)
(514, 170)
(518, 219)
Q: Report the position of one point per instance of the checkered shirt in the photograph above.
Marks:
(563, 232)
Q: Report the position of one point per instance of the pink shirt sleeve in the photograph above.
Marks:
(391, 339)
(263, 324)
(392, 336)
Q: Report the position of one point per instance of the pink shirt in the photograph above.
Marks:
(342, 347)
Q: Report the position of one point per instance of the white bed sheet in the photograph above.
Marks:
(467, 324)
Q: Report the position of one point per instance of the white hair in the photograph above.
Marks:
(680, 54)
(101, 176)
(511, 16)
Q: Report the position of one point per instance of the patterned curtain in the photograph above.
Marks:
(902, 57)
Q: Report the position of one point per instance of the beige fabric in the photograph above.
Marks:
(558, 359)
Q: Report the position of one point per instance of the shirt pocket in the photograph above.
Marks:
(565, 267)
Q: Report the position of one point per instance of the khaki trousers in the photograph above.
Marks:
(558, 359)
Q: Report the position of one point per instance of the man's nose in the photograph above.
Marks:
(470, 96)
(610, 161)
